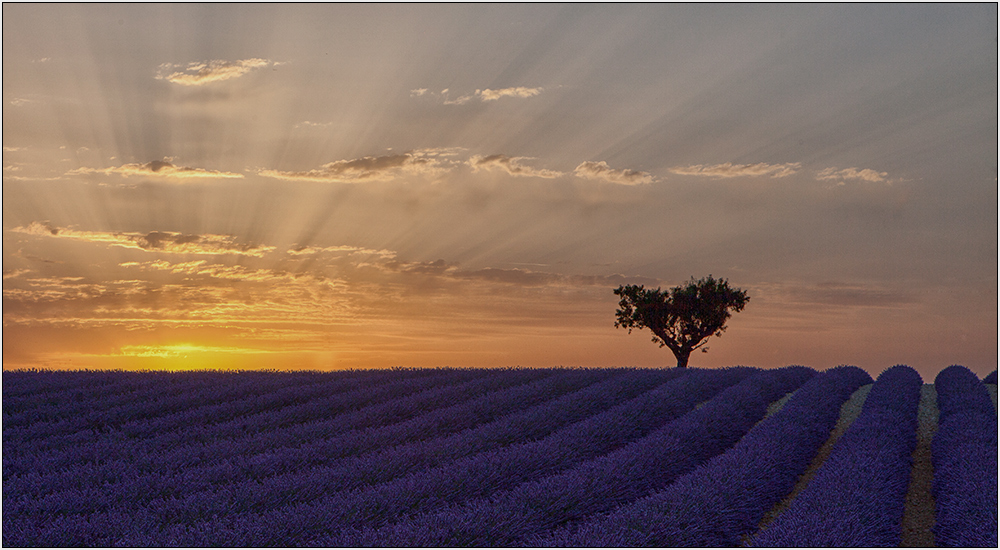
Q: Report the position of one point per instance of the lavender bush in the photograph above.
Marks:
(476, 475)
(858, 494)
(539, 457)
(719, 502)
(601, 484)
(964, 453)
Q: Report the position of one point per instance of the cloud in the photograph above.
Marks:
(14, 273)
(21, 101)
(183, 350)
(516, 277)
(424, 162)
(520, 277)
(852, 174)
(156, 168)
(200, 267)
(311, 124)
(481, 95)
(206, 72)
(520, 91)
(601, 171)
(312, 250)
(511, 165)
(154, 241)
(730, 170)
(840, 294)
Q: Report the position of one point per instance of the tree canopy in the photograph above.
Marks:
(682, 318)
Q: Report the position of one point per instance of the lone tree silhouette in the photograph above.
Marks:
(682, 318)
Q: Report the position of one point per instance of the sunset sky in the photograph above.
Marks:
(336, 186)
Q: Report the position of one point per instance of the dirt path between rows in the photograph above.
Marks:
(918, 514)
(849, 411)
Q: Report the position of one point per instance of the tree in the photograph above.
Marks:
(682, 318)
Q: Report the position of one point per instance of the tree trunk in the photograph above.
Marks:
(682, 358)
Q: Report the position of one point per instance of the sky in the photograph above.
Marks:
(329, 186)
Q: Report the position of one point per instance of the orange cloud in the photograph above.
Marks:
(156, 168)
(154, 241)
(200, 267)
(730, 170)
(206, 72)
(383, 168)
(311, 250)
(511, 165)
(601, 171)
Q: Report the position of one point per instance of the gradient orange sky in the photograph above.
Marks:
(335, 186)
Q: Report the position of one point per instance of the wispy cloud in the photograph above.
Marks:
(154, 241)
(519, 91)
(849, 295)
(13, 273)
(313, 250)
(205, 72)
(183, 350)
(510, 165)
(601, 171)
(865, 174)
(156, 168)
(311, 124)
(426, 162)
(730, 170)
(481, 95)
(218, 271)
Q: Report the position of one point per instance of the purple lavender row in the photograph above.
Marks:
(100, 445)
(39, 404)
(599, 485)
(635, 414)
(858, 494)
(991, 378)
(172, 408)
(79, 430)
(104, 407)
(22, 387)
(381, 460)
(964, 454)
(142, 471)
(177, 400)
(106, 389)
(113, 457)
(720, 501)
(140, 526)
(451, 409)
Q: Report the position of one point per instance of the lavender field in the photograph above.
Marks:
(500, 457)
